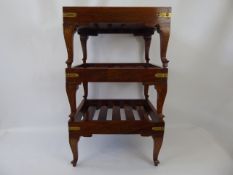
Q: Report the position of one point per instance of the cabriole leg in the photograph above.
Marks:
(147, 39)
(157, 146)
(161, 95)
(71, 89)
(69, 30)
(83, 39)
(74, 148)
(164, 32)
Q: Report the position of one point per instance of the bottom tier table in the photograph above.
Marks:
(111, 116)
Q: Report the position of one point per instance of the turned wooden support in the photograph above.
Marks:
(83, 39)
(164, 32)
(147, 40)
(74, 148)
(161, 95)
(146, 89)
(85, 87)
(71, 89)
(158, 141)
(69, 31)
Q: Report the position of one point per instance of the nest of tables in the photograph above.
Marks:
(116, 116)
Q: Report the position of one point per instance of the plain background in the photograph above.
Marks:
(34, 108)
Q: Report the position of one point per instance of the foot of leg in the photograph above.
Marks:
(157, 145)
(74, 148)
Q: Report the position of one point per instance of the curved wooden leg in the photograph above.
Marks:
(83, 39)
(71, 93)
(146, 89)
(74, 148)
(157, 145)
(69, 31)
(147, 39)
(161, 95)
(85, 87)
(164, 32)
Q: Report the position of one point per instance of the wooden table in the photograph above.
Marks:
(128, 116)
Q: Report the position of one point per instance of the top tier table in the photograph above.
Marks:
(116, 116)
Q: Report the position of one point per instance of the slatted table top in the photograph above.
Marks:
(117, 110)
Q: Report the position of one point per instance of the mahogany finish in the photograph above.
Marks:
(116, 116)
(136, 20)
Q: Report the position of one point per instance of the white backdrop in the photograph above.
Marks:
(198, 106)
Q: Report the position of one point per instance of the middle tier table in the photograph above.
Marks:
(117, 72)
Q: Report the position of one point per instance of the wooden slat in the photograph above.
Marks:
(116, 113)
(84, 107)
(103, 113)
(142, 113)
(129, 113)
(91, 112)
(153, 112)
(78, 116)
(153, 116)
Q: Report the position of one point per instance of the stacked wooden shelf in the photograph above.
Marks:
(116, 116)
(117, 72)
(135, 116)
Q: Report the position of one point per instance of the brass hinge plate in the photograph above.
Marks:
(164, 15)
(161, 75)
(158, 128)
(74, 128)
(69, 15)
(72, 75)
